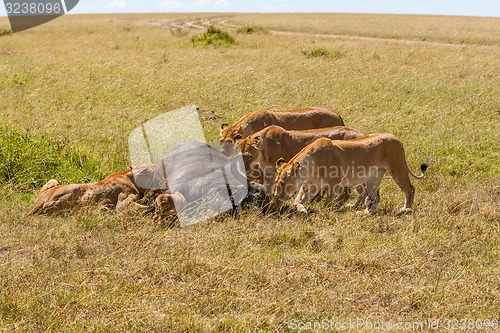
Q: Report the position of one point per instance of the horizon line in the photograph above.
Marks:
(283, 12)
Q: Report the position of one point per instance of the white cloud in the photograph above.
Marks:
(221, 3)
(169, 5)
(200, 4)
(116, 4)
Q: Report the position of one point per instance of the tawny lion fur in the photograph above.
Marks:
(301, 119)
(331, 165)
(115, 192)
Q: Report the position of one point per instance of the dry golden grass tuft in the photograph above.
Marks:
(89, 80)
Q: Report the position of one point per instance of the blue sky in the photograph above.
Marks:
(439, 7)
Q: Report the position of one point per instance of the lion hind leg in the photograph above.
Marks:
(67, 201)
(48, 185)
(39, 201)
(403, 181)
(409, 198)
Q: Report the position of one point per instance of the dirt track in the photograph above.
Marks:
(224, 22)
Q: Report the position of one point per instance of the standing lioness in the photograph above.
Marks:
(332, 165)
(263, 148)
(300, 119)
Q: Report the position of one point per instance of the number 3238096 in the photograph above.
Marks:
(33, 8)
(468, 324)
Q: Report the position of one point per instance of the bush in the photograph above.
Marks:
(28, 161)
(252, 29)
(213, 37)
(322, 52)
(5, 32)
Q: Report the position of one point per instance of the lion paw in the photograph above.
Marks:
(370, 212)
(300, 208)
(404, 211)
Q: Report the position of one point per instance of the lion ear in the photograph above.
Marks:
(256, 141)
(224, 125)
(280, 162)
(237, 137)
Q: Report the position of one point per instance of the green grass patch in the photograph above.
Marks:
(213, 37)
(28, 161)
(252, 29)
(16, 80)
(320, 52)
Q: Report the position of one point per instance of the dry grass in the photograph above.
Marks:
(89, 80)
(447, 29)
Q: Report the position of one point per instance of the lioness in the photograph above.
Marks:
(263, 148)
(332, 165)
(300, 119)
(116, 191)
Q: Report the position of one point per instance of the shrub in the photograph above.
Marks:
(28, 161)
(252, 29)
(213, 37)
(322, 52)
(5, 32)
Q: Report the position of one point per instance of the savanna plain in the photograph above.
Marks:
(72, 90)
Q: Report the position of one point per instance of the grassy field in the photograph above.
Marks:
(445, 29)
(72, 90)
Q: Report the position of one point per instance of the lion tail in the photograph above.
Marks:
(423, 169)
